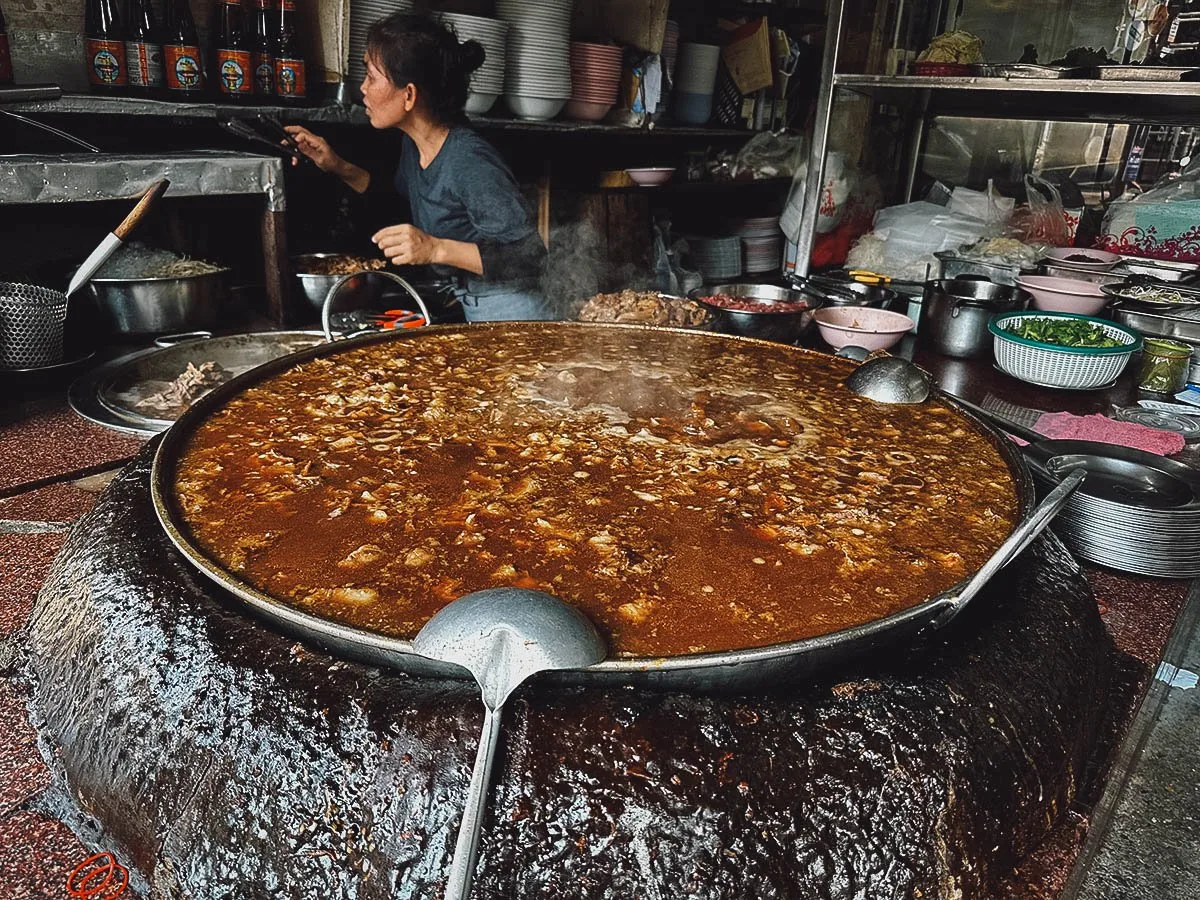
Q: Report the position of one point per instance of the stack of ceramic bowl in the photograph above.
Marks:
(670, 49)
(363, 14)
(717, 258)
(695, 79)
(762, 243)
(537, 80)
(487, 82)
(595, 77)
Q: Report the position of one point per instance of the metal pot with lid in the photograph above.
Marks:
(955, 314)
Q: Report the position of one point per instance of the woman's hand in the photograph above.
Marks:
(315, 148)
(407, 245)
(318, 150)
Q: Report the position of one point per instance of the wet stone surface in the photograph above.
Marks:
(222, 759)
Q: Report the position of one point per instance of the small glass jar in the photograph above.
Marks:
(1164, 368)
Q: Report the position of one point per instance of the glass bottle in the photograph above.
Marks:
(262, 59)
(143, 51)
(231, 69)
(104, 47)
(290, 81)
(6, 70)
(182, 66)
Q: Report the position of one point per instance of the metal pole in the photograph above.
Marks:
(815, 182)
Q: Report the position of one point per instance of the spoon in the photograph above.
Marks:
(502, 636)
(890, 379)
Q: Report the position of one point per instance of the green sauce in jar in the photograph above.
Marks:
(1164, 367)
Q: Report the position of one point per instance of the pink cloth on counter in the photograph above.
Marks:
(1065, 426)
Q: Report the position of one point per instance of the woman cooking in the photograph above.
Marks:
(468, 216)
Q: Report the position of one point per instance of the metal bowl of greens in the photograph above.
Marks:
(1062, 350)
(1153, 295)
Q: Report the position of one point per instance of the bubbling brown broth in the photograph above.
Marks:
(689, 493)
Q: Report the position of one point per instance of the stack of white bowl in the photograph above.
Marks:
(537, 81)
(670, 48)
(717, 258)
(363, 14)
(487, 82)
(695, 79)
(595, 78)
(762, 243)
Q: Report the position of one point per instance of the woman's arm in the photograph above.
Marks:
(407, 245)
(318, 150)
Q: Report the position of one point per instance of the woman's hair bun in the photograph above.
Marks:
(470, 55)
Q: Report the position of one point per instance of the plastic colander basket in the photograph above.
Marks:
(1051, 365)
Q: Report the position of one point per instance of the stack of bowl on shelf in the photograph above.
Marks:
(762, 243)
(595, 77)
(670, 49)
(717, 258)
(537, 79)
(364, 13)
(487, 82)
(695, 79)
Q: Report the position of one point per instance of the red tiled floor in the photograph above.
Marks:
(22, 772)
(56, 442)
(56, 503)
(36, 855)
(27, 558)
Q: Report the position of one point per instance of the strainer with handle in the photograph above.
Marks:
(32, 321)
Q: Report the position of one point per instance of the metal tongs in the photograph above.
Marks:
(276, 136)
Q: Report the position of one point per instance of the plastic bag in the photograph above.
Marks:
(769, 155)
(987, 206)
(1162, 223)
(1042, 220)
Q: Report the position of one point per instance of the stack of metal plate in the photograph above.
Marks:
(1135, 512)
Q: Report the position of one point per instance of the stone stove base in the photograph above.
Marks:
(221, 759)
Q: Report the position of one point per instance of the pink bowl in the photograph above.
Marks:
(583, 111)
(1068, 295)
(861, 326)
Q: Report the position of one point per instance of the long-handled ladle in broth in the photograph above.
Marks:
(502, 636)
(890, 379)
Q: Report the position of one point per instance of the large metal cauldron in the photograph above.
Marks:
(728, 670)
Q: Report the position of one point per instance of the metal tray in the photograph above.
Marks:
(1130, 73)
(1117, 289)
(1182, 326)
(1018, 70)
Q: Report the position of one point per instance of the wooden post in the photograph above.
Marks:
(276, 269)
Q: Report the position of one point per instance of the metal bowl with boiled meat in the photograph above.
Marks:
(724, 509)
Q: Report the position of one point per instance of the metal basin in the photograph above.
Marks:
(864, 294)
(315, 288)
(161, 305)
(783, 327)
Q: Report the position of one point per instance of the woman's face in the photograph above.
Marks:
(387, 105)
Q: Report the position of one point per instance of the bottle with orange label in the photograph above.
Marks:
(290, 82)
(262, 56)
(183, 70)
(143, 51)
(232, 69)
(6, 70)
(104, 47)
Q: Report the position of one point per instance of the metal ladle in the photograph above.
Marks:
(502, 636)
(890, 379)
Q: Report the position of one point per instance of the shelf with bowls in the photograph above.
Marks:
(1061, 99)
(332, 114)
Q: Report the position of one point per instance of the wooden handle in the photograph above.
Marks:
(149, 198)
